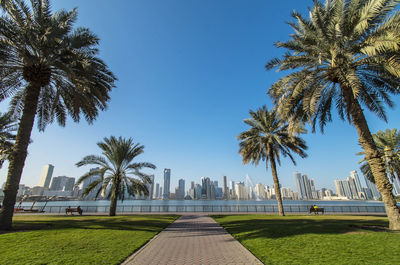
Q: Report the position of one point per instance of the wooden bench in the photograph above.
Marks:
(316, 211)
(73, 210)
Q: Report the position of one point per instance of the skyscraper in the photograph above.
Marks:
(375, 193)
(353, 189)
(180, 195)
(45, 176)
(307, 186)
(167, 182)
(69, 184)
(62, 183)
(339, 188)
(157, 191)
(357, 182)
(224, 189)
(301, 189)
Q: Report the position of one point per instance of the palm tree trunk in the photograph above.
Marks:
(374, 160)
(114, 198)
(276, 184)
(18, 156)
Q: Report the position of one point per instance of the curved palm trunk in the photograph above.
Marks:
(19, 153)
(276, 185)
(374, 160)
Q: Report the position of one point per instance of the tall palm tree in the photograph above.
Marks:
(346, 55)
(266, 140)
(50, 70)
(388, 144)
(115, 169)
(8, 126)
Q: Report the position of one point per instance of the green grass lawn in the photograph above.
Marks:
(314, 239)
(78, 239)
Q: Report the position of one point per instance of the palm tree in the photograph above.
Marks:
(266, 140)
(8, 126)
(346, 54)
(114, 171)
(388, 144)
(51, 71)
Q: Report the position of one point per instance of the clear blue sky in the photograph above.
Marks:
(189, 71)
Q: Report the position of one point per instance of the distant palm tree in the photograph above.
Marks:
(115, 169)
(266, 140)
(8, 126)
(50, 70)
(388, 144)
(346, 55)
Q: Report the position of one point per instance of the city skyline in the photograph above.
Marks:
(190, 98)
(208, 188)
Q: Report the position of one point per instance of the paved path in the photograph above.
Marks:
(193, 239)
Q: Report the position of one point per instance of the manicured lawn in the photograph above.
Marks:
(78, 240)
(314, 239)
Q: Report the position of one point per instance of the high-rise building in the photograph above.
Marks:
(353, 189)
(375, 193)
(357, 182)
(157, 191)
(307, 186)
(167, 182)
(45, 176)
(260, 191)
(339, 188)
(301, 189)
(208, 188)
(241, 191)
(347, 189)
(62, 183)
(203, 188)
(197, 191)
(224, 189)
(180, 193)
(69, 184)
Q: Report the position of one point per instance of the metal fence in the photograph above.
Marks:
(218, 209)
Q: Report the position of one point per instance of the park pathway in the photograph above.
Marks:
(193, 239)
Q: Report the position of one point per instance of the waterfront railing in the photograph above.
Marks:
(219, 209)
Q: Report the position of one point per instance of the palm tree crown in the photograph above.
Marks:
(268, 138)
(347, 50)
(41, 51)
(116, 170)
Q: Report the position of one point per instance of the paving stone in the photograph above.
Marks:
(193, 239)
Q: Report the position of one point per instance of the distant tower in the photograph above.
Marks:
(301, 189)
(157, 191)
(181, 189)
(225, 189)
(45, 177)
(167, 181)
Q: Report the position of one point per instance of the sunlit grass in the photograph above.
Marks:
(314, 239)
(78, 240)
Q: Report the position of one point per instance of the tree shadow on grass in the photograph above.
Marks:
(129, 223)
(287, 226)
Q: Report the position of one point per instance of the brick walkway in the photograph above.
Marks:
(193, 239)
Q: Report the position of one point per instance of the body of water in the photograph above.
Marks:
(204, 202)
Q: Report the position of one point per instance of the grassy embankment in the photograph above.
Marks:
(76, 239)
(315, 239)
